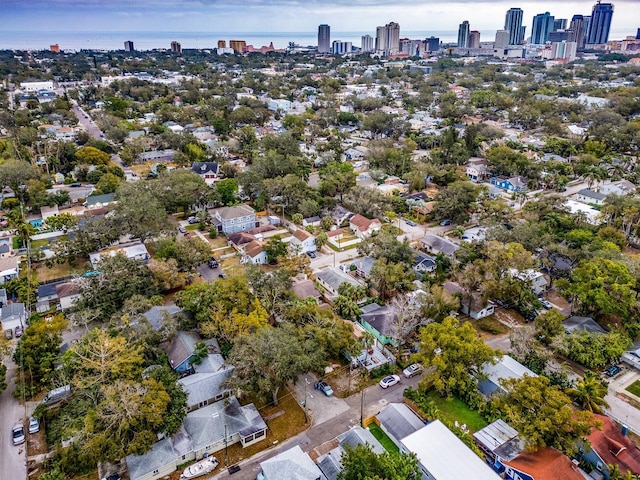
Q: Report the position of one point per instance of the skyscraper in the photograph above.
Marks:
(474, 39)
(367, 43)
(600, 23)
(324, 38)
(393, 38)
(128, 46)
(222, 44)
(577, 27)
(463, 35)
(381, 39)
(502, 40)
(560, 24)
(433, 44)
(513, 23)
(176, 47)
(542, 26)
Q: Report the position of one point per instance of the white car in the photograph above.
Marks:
(34, 425)
(546, 303)
(17, 434)
(412, 370)
(389, 381)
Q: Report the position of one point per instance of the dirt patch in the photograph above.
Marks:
(557, 299)
(510, 317)
(36, 444)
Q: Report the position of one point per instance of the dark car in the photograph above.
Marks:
(324, 387)
(75, 185)
(213, 263)
(411, 223)
(311, 254)
(445, 223)
(19, 331)
(613, 370)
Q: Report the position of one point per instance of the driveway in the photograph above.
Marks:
(619, 407)
(320, 408)
(13, 460)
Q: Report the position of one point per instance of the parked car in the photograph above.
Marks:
(613, 370)
(17, 433)
(8, 334)
(412, 370)
(192, 220)
(546, 303)
(411, 223)
(182, 230)
(57, 395)
(311, 254)
(112, 477)
(389, 381)
(75, 185)
(213, 263)
(34, 425)
(324, 387)
(445, 223)
(19, 331)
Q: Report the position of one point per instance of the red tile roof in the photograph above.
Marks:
(362, 223)
(546, 464)
(613, 447)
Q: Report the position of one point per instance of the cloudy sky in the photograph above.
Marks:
(288, 15)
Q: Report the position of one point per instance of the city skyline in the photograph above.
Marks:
(288, 15)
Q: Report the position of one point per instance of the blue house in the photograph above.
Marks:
(512, 184)
(238, 218)
(181, 350)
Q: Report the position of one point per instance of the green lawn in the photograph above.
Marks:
(39, 243)
(454, 409)
(634, 388)
(382, 437)
(191, 228)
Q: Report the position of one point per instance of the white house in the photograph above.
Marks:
(537, 280)
(137, 251)
(303, 242)
(590, 197)
(207, 170)
(443, 456)
(362, 227)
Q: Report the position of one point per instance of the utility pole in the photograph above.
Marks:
(304, 402)
(362, 408)
(226, 446)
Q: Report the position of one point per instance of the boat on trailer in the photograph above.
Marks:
(204, 466)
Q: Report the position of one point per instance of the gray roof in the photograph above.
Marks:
(379, 317)
(156, 314)
(204, 167)
(440, 244)
(3, 296)
(15, 309)
(204, 386)
(585, 192)
(162, 453)
(365, 264)
(49, 289)
(399, 421)
(228, 213)
(100, 199)
(588, 324)
(335, 278)
(501, 439)
(292, 464)
(505, 368)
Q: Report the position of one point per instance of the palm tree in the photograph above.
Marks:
(589, 393)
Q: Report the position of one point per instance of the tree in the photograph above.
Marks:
(277, 356)
(453, 355)
(549, 325)
(62, 221)
(362, 463)
(542, 414)
(595, 350)
(139, 212)
(92, 156)
(15, 173)
(437, 304)
(455, 202)
(108, 183)
(227, 190)
(389, 278)
(275, 247)
(336, 179)
(189, 253)
(166, 274)
(384, 244)
(589, 393)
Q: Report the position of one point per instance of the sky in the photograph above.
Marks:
(289, 15)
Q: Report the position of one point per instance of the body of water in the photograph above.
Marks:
(151, 40)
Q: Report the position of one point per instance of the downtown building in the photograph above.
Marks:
(324, 38)
(513, 24)
(128, 46)
(463, 34)
(367, 44)
(543, 24)
(388, 39)
(600, 24)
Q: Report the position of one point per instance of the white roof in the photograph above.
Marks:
(444, 455)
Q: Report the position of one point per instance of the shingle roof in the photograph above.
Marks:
(399, 420)
(588, 324)
(292, 464)
(440, 244)
(156, 314)
(204, 386)
(202, 168)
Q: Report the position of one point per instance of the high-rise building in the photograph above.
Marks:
(502, 40)
(222, 44)
(338, 47)
(433, 44)
(474, 39)
(560, 24)
(638, 34)
(564, 50)
(600, 23)
(128, 46)
(577, 27)
(562, 36)
(392, 45)
(367, 43)
(324, 38)
(176, 47)
(238, 45)
(55, 48)
(381, 39)
(513, 23)
(463, 35)
(542, 26)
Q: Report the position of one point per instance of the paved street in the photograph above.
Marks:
(619, 408)
(13, 459)
(375, 399)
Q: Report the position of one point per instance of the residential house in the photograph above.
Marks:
(135, 251)
(362, 227)
(472, 304)
(609, 446)
(68, 293)
(302, 242)
(99, 201)
(331, 279)
(336, 234)
(204, 431)
(378, 320)
(536, 280)
(157, 315)
(311, 221)
(7, 192)
(434, 244)
(364, 266)
(13, 315)
(398, 421)
(588, 324)
(255, 253)
(3, 297)
(9, 268)
(546, 463)
(48, 292)
(291, 464)
(157, 156)
(475, 234)
(443, 456)
(498, 440)
(424, 264)
(506, 368)
(513, 184)
(620, 187)
(237, 218)
(590, 214)
(306, 289)
(331, 462)
(476, 169)
(590, 197)
(181, 350)
(207, 170)
(5, 249)
(632, 356)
